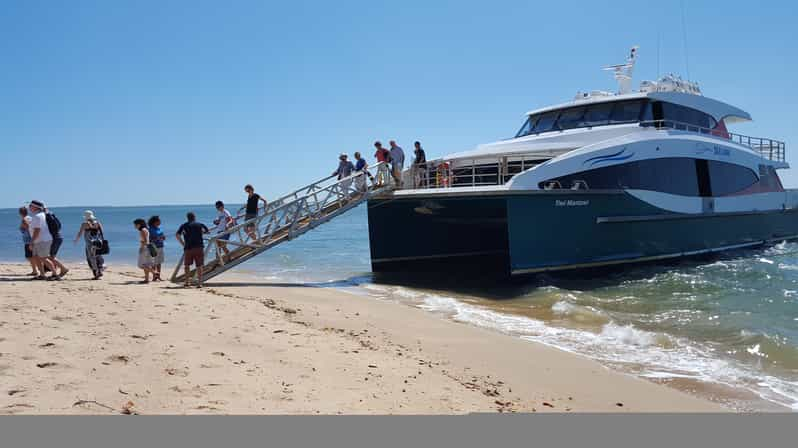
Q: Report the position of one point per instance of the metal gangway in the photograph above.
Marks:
(287, 218)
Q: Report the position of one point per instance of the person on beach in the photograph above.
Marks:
(344, 170)
(397, 162)
(54, 226)
(92, 232)
(190, 237)
(24, 227)
(360, 167)
(383, 156)
(224, 220)
(147, 252)
(251, 211)
(41, 240)
(419, 166)
(157, 238)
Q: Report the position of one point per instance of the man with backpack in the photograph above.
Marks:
(54, 226)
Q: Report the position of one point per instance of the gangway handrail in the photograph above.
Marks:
(286, 221)
(281, 200)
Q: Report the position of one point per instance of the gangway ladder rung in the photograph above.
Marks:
(287, 218)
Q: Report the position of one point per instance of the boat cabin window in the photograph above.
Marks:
(571, 118)
(728, 178)
(599, 114)
(675, 175)
(546, 122)
(681, 116)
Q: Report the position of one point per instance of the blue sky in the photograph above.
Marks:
(170, 102)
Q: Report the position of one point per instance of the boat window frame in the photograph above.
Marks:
(645, 105)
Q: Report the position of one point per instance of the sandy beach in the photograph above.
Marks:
(241, 347)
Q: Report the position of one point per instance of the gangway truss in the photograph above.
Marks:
(287, 218)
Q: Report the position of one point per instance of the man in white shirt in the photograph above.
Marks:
(40, 239)
(224, 220)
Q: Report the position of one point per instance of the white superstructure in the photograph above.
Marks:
(665, 142)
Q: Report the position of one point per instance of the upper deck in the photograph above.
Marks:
(491, 168)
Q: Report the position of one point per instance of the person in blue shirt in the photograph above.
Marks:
(157, 238)
(360, 166)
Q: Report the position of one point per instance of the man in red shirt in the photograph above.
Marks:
(384, 156)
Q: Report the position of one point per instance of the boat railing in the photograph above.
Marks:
(469, 172)
(768, 148)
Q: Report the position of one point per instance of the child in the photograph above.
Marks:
(157, 238)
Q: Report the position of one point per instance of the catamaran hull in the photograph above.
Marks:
(529, 232)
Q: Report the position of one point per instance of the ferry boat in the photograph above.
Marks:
(604, 179)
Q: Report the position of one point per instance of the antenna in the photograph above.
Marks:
(623, 72)
(684, 39)
(659, 44)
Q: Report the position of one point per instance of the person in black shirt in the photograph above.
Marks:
(190, 237)
(420, 166)
(252, 209)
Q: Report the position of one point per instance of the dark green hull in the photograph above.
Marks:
(517, 233)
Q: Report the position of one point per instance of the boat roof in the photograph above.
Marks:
(717, 109)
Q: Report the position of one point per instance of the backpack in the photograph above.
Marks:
(53, 225)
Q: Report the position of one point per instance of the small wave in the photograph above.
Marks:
(646, 353)
(563, 307)
(627, 334)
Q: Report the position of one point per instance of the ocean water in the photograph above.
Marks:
(726, 326)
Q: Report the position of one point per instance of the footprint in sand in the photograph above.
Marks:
(44, 365)
(176, 372)
(17, 392)
(119, 358)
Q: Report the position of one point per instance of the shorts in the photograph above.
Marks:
(145, 259)
(42, 249)
(194, 255)
(224, 237)
(397, 169)
(56, 244)
(28, 251)
(249, 216)
(160, 257)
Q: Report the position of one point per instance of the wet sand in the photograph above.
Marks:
(241, 347)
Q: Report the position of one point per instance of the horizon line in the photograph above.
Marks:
(210, 204)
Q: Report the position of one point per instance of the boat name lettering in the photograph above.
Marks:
(721, 151)
(571, 203)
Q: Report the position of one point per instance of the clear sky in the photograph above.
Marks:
(171, 102)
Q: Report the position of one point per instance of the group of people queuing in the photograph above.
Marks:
(41, 229)
(190, 235)
(41, 237)
(391, 164)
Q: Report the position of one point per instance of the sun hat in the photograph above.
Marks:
(88, 215)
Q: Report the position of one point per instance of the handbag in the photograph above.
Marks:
(104, 248)
(152, 249)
